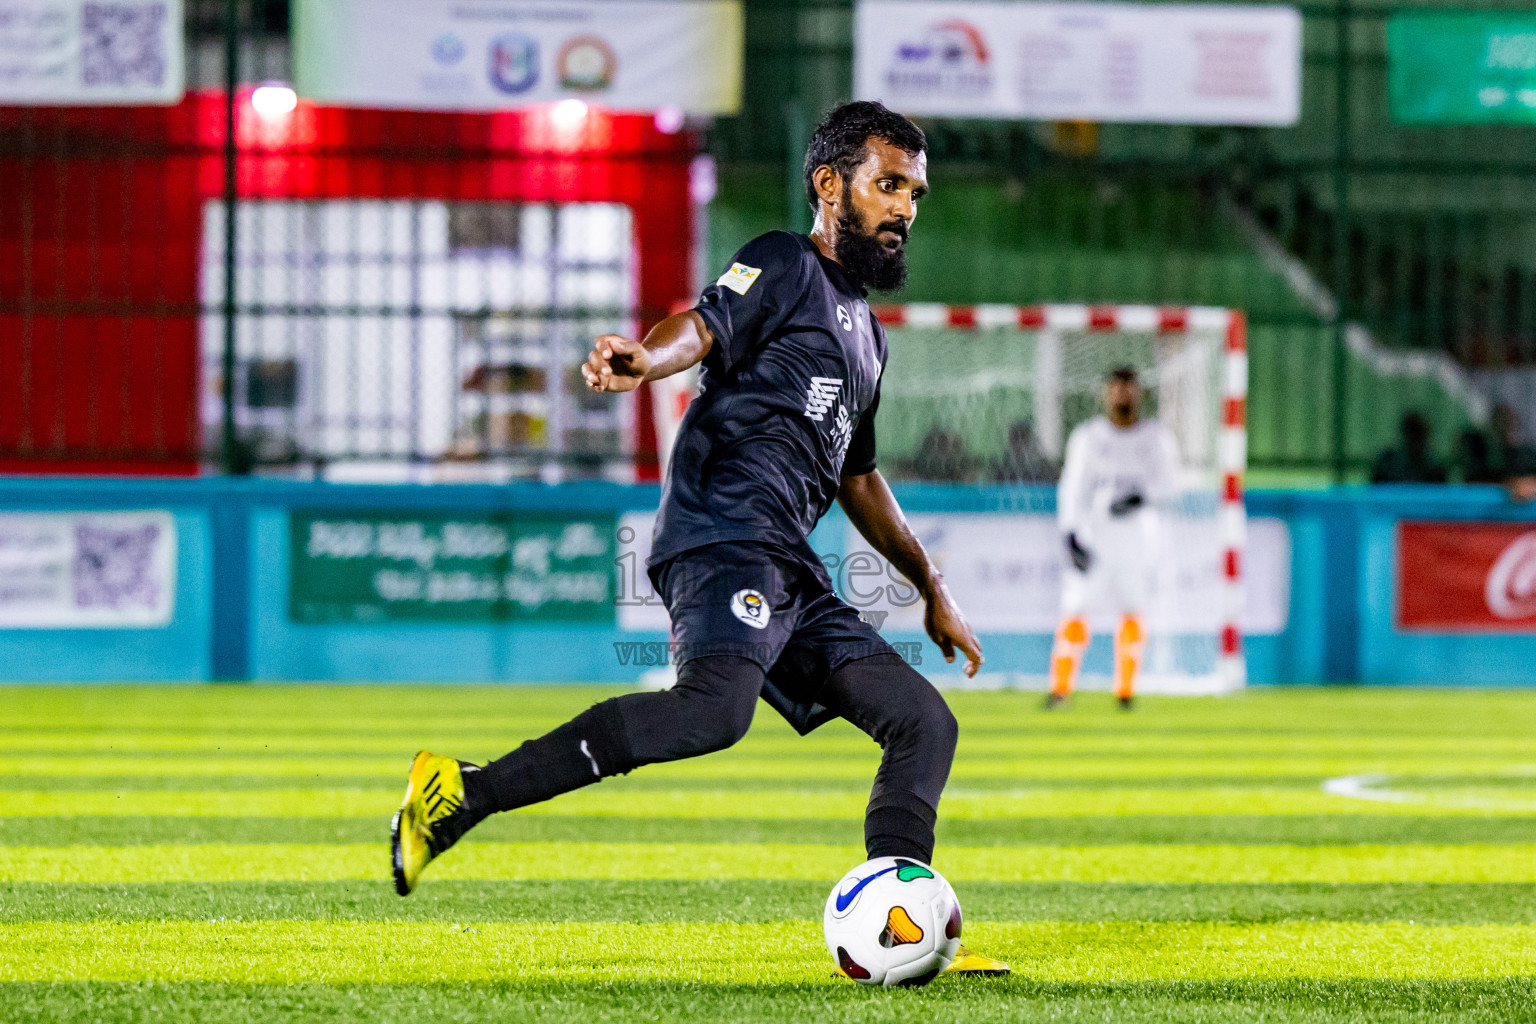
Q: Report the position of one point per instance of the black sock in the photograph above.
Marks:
(589, 747)
(904, 830)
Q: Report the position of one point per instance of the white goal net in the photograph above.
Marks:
(977, 403)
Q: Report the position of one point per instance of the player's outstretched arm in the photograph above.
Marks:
(869, 503)
(620, 364)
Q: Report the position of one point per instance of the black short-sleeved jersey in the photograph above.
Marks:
(786, 404)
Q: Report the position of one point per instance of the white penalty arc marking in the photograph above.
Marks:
(1363, 787)
(1370, 786)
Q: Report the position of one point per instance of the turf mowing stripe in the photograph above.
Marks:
(995, 1001)
(290, 803)
(745, 763)
(1249, 830)
(125, 831)
(302, 951)
(619, 800)
(984, 727)
(833, 741)
(646, 782)
(1257, 706)
(1176, 726)
(442, 710)
(512, 861)
(760, 900)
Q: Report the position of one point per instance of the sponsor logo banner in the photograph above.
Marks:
(1462, 67)
(640, 55)
(1166, 63)
(91, 52)
(1005, 571)
(97, 571)
(370, 567)
(1459, 577)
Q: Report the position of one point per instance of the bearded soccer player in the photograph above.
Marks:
(783, 425)
(1118, 466)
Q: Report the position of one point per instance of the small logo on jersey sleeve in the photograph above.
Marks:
(739, 278)
(844, 319)
(750, 607)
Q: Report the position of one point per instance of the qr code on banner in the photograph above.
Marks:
(115, 567)
(124, 44)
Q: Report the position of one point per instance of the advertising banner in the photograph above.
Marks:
(78, 571)
(628, 55)
(1005, 572)
(80, 52)
(1165, 63)
(1466, 577)
(371, 567)
(1462, 67)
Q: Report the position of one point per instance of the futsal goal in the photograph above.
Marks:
(987, 395)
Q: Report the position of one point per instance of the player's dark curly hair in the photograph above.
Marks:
(841, 140)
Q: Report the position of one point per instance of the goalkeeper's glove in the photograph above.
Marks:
(1126, 505)
(1081, 557)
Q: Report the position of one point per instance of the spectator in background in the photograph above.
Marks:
(941, 458)
(1410, 462)
(1500, 456)
(1473, 457)
(1024, 462)
(1510, 454)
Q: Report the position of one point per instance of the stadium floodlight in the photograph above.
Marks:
(568, 114)
(670, 120)
(274, 99)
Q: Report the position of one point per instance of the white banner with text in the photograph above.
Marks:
(627, 55)
(1160, 63)
(91, 53)
(87, 570)
(1005, 572)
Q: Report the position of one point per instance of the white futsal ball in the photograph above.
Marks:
(892, 921)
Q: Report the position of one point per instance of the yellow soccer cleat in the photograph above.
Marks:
(429, 819)
(967, 962)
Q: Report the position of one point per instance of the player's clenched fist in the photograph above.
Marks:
(616, 364)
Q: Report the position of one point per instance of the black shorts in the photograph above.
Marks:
(764, 604)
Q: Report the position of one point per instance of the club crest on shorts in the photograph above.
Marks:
(750, 607)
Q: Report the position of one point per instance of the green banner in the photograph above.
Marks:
(1462, 68)
(373, 567)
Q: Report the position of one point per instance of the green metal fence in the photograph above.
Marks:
(1382, 267)
(1378, 264)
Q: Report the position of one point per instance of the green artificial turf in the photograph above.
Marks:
(762, 900)
(217, 854)
(776, 952)
(555, 1002)
(1291, 830)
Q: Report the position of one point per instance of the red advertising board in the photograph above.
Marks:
(1461, 577)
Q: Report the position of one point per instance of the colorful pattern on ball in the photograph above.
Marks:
(895, 920)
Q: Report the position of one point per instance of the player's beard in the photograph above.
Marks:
(861, 255)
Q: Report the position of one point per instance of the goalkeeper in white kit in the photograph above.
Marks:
(1118, 468)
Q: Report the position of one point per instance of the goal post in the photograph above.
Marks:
(988, 394)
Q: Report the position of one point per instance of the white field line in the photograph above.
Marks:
(1371, 786)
